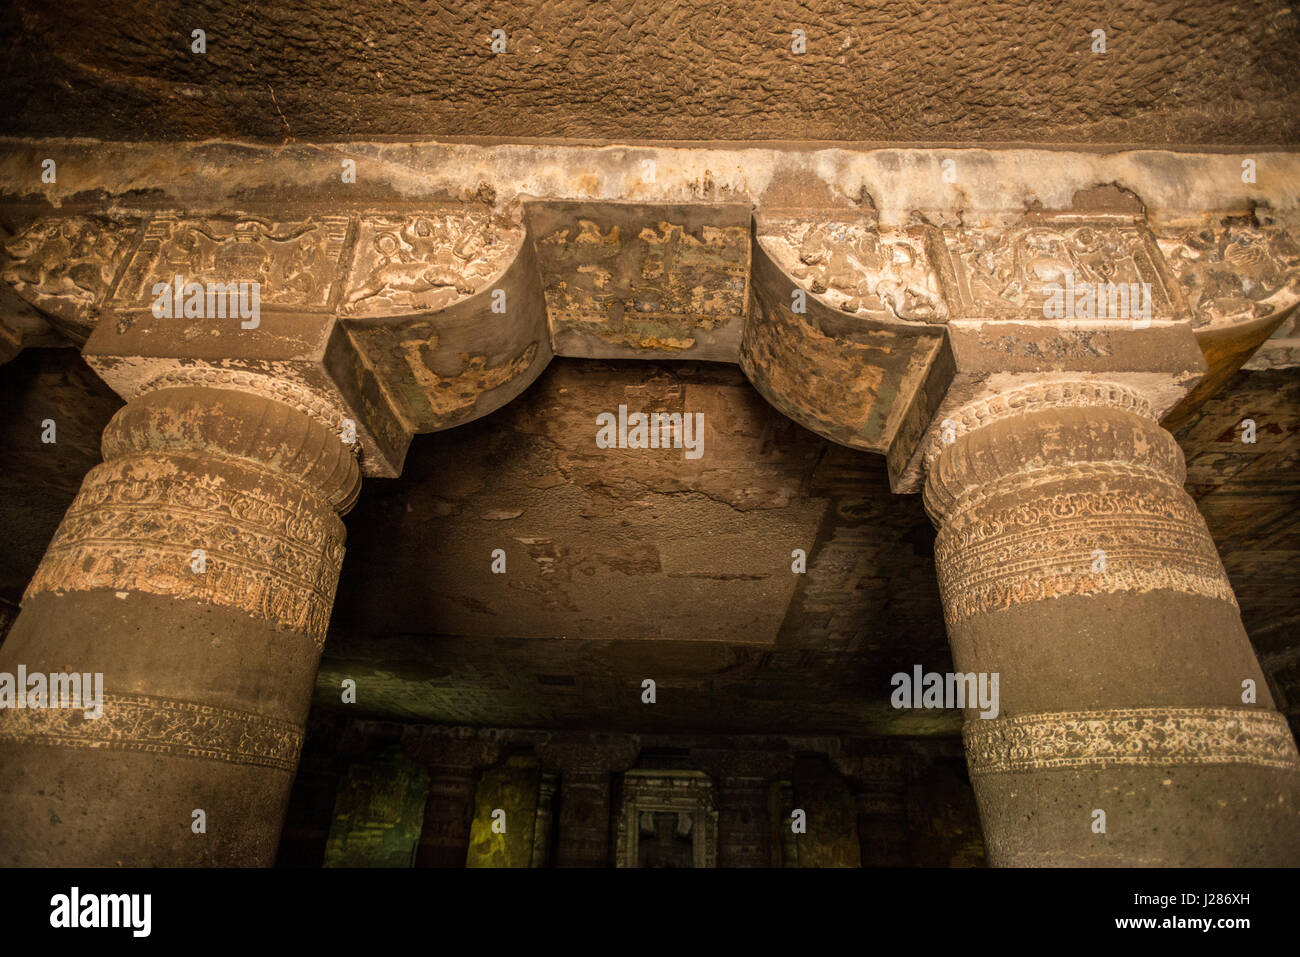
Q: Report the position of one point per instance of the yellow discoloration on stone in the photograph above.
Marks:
(449, 396)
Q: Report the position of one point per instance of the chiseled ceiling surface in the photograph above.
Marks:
(1174, 72)
(623, 565)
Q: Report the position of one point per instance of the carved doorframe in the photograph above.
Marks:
(680, 791)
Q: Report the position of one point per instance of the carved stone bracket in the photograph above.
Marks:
(379, 325)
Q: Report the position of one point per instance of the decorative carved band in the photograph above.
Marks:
(136, 522)
(138, 722)
(1068, 393)
(1076, 543)
(1130, 737)
(235, 423)
(309, 402)
(942, 505)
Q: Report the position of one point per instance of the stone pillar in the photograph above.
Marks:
(1072, 562)
(542, 823)
(586, 765)
(584, 818)
(195, 570)
(455, 760)
(744, 815)
(879, 785)
(743, 838)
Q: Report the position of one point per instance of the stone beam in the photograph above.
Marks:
(859, 289)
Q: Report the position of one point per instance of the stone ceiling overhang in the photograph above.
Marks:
(876, 296)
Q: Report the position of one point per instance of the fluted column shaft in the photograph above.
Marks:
(1072, 562)
(195, 570)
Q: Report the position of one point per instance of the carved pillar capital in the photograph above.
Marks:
(380, 324)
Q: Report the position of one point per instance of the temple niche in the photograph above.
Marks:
(668, 818)
(562, 450)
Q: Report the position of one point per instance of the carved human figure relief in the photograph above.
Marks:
(293, 263)
(1235, 272)
(1015, 272)
(65, 266)
(859, 268)
(426, 261)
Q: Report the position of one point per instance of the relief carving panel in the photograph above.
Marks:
(859, 268)
(1234, 273)
(294, 263)
(635, 281)
(423, 263)
(66, 266)
(1005, 273)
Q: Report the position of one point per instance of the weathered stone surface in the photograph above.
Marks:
(378, 813)
(918, 73)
